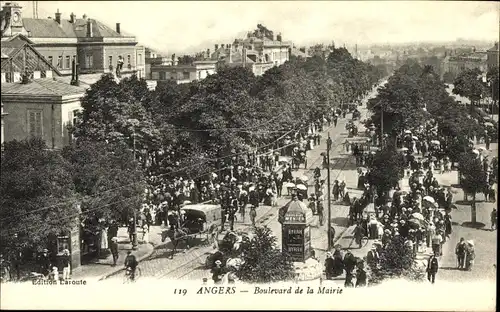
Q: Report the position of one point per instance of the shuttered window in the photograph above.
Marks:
(35, 123)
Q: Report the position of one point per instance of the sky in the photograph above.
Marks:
(190, 26)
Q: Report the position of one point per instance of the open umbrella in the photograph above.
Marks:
(289, 184)
(415, 223)
(414, 138)
(302, 187)
(418, 215)
(304, 178)
(488, 124)
(435, 142)
(403, 149)
(407, 131)
(429, 199)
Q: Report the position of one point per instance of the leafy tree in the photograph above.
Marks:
(397, 261)
(449, 77)
(469, 84)
(109, 108)
(472, 178)
(386, 170)
(264, 261)
(108, 179)
(38, 197)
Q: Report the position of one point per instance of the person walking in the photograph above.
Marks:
(432, 268)
(114, 249)
(252, 214)
(460, 250)
(66, 265)
(493, 218)
(320, 210)
(329, 266)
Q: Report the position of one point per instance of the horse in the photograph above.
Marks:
(176, 236)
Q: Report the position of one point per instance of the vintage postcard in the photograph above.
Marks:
(214, 155)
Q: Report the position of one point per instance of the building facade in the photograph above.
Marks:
(492, 57)
(183, 73)
(95, 46)
(456, 64)
(43, 108)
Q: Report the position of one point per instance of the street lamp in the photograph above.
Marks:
(134, 123)
(328, 147)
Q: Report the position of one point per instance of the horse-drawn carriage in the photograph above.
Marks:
(198, 219)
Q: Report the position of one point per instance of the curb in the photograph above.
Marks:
(120, 269)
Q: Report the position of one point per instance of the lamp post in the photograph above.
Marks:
(328, 147)
(134, 233)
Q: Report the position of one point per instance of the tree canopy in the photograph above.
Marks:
(38, 196)
(386, 169)
(470, 85)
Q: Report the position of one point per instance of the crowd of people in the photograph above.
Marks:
(420, 217)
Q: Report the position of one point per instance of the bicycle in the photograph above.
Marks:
(129, 277)
(364, 242)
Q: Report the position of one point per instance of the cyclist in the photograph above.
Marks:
(131, 263)
(358, 232)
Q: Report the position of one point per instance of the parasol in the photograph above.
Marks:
(488, 124)
(415, 222)
(303, 178)
(302, 187)
(414, 138)
(475, 151)
(403, 149)
(418, 216)
(435, 142)
(429, 199)
(289, 184)
(433, 158)
(407, 131)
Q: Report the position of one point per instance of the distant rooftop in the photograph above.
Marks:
(42, 87)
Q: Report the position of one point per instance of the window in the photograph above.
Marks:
(89, 61)
(35, 123)
(139, 59)
(68, 62)
(59, 62)
(110, 60)
(128, 59)
(75, 116)
(51, 60)
(185, 75)
(162, 76)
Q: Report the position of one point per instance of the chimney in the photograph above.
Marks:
(118, 28)
(84, 16)
(278, 37)
(74, 74)
(72, 18)
(89, 28)
(216, 47)
(208, 53)
(58, 17)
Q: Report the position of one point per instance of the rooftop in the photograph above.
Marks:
(42, 87)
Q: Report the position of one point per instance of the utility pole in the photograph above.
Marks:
(134, 234)
(381, 126)
(328, 147)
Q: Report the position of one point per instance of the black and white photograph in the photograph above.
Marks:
(330, 155)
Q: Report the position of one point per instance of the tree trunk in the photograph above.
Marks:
(473, 209)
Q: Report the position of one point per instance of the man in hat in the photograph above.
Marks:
(432, 268)
(44, 262)
(460, 251)
(114, 249)
(66, 264)
(131, 263)
(329, 266)
(493, 218)
(372, 257)
(217, 272)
